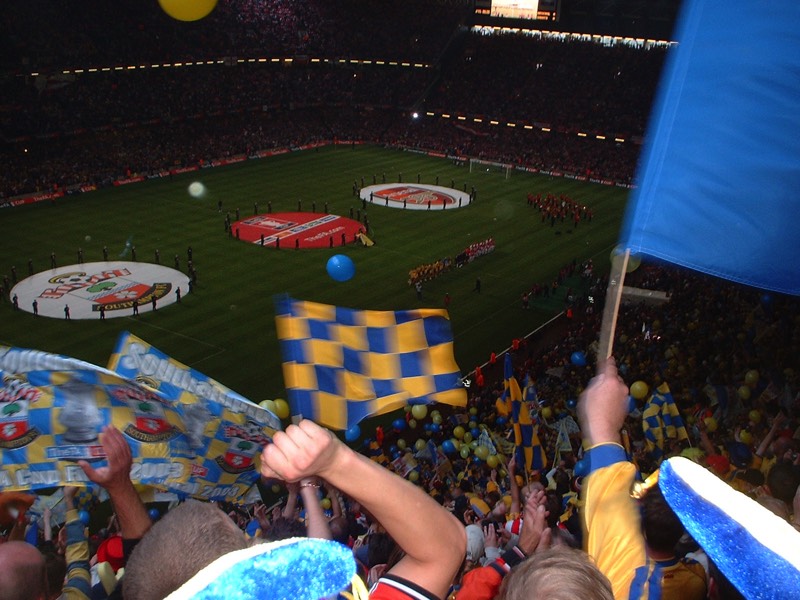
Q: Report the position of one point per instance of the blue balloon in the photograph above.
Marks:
(85, 517)
(392, 449)
(578, 359)
(501, 420)
(581, 468)
(572, 403)
(352, 434)
(399, 424)
(435, 427)
(396, 454)
(154, 514)
(631, 403)
(427, 426)
(448, 446)
(475, 433)
(341, 267)
(252, 527)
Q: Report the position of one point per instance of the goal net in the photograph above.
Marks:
(476, 165)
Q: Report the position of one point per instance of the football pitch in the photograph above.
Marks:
(225, 328)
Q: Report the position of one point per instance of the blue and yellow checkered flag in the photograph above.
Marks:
(341, 365)
(529, 451)
(661, 420)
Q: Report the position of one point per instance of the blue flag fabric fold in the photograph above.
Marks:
(718, 181)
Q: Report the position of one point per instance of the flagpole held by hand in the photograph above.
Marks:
(616, 279)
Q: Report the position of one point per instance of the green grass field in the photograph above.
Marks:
(226, 327)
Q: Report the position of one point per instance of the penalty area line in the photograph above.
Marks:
(218, 349)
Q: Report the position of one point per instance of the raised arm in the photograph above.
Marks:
(611, 519)
(132, 515)
(433, 540)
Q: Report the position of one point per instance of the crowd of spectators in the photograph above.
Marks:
(709, 336)
(91, 128)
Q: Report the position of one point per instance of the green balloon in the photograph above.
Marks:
(467, 437)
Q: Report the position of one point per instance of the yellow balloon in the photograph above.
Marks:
(711, 424)
(420, 444)
(744, 392)
(492, 461)
(634, 260)
(458, 432)
(482, 452)
(281, 408)
(187, 10)
(751, 377)
(268, 404)
(639, 390)
(436, 418)
(547, 412)
(755, 416)
(326, 503)
(401, 444)
(413, 476)
(467, 437)
(419, 411)
(276, 488)
(746, 437)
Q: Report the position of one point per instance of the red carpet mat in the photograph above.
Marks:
(297, 230)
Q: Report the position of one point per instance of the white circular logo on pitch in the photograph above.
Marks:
(100, 289)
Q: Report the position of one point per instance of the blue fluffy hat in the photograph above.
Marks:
(293, 569)
(755, 549)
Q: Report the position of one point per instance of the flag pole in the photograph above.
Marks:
(616, 279)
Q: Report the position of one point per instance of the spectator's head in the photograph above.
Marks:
(23, 569)
(782, 482)
(187, 539)
(560, 573)
(661, 526)
(553, 507)
(379, 549)
(56, 569)
(283, 528)
(340, 529)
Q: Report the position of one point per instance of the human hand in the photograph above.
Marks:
(603, 405)
(779, 421)
(117, 473)
(534, 523)
(302, 450)
(489, 536)
(70, 491)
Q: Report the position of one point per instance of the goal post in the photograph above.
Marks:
(477, 165)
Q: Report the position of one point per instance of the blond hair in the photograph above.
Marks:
(560, 573)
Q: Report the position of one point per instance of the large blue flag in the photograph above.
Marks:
(720, 173)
